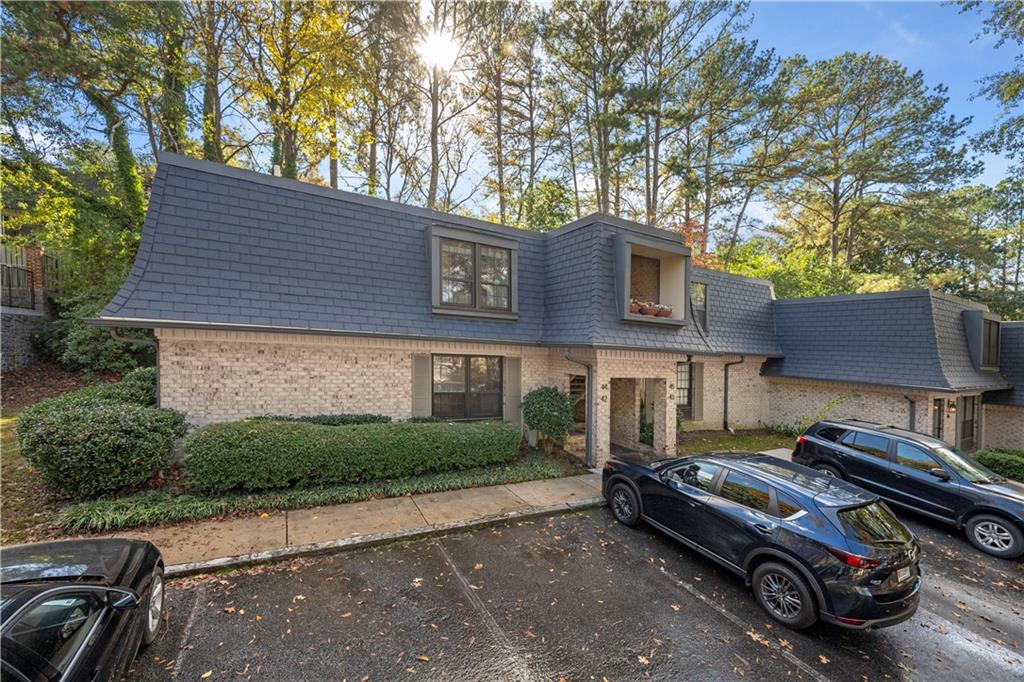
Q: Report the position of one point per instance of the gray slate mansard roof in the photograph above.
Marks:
(1011, 362)
(908, 339)
(227, 248)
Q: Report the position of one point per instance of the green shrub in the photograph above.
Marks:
(1008, 463)
(259, 455)
(152, 507)
(83, 446)
(81, 346)
(549, 412)
(329, 419)
(423, 420)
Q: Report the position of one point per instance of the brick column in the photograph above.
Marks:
(664, 418)
(34, 264)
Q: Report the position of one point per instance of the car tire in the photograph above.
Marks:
(784, 595)
(995, 535)
(624, 504)
(153, 603)
(829, 470)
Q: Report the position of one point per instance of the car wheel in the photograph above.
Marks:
(996, 535)
(785, 595)
(154, 606)
(625, 507)
(828, 470)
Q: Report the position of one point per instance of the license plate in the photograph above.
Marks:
(903, 574)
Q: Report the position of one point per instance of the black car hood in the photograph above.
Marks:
(1005, 488)
(113, 561)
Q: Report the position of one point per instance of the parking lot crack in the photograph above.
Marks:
(518, 668)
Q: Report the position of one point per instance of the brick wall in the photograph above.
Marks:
(793, 401)
(748, 394)
(222, 376)
(1003, 426)
(645, 278)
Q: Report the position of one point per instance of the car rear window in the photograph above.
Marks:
(873, 524)
(830, 433)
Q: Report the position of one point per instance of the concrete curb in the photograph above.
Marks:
(178, 570)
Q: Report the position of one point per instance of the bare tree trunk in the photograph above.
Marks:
(435, 156)
(212, 127)
(736, 229)
(332, 153)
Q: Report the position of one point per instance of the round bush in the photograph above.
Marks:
(259, 455)
(549, 412)
(85, 447)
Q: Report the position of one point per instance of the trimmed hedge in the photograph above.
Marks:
(138, 387)
(86, 446)
(153, 507)
(261, 455)
(329, 419)
(1008, 463)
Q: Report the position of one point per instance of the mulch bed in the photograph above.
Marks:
(25, 386)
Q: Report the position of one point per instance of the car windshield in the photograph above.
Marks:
(965, 465)
(873, 524)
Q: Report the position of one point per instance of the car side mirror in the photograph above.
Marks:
(940, 473)
(121, 599)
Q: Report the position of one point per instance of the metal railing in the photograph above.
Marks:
(16, 287)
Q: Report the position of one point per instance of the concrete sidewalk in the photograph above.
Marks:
(209, 544)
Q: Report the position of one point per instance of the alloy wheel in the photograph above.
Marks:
(993, 536)
(621, 505)
(781, 595)
(156, 603)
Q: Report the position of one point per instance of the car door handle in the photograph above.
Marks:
(899, 474)
(694, 503)
(763, 529)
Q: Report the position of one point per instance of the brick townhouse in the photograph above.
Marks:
(269, 295)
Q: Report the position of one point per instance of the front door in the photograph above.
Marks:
(968, 422)
(677, 500)
(913, 484)
(737, 518)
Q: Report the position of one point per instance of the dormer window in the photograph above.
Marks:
(473, 273)
(990, 343)
(651, 279)
(699, 301)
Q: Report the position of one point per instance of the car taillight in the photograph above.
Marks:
(801, 440)
(850, 621)
(854, 560)
(607, 466)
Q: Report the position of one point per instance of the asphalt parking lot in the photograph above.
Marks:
(573, 597)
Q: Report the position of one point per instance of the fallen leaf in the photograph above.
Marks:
(425, 659)
(206, 674)
(643, 660)
(823, 658)
(477, 567)
(675, 607)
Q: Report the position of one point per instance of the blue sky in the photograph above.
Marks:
(928, 36)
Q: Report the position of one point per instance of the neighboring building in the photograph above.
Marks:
(1003, 411)
(25, 310)
(275, 296)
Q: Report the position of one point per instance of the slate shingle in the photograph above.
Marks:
(912, 339)
(228, 246)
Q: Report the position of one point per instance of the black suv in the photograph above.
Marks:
(924, 474)
(811, 546)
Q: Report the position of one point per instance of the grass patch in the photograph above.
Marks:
(697, 442)
(24, 505)
(152, 508)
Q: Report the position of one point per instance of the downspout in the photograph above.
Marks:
(913, 411)
(725, 393)
(142, 342)
(589, 460)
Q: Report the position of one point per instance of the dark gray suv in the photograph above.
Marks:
(922, 473)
